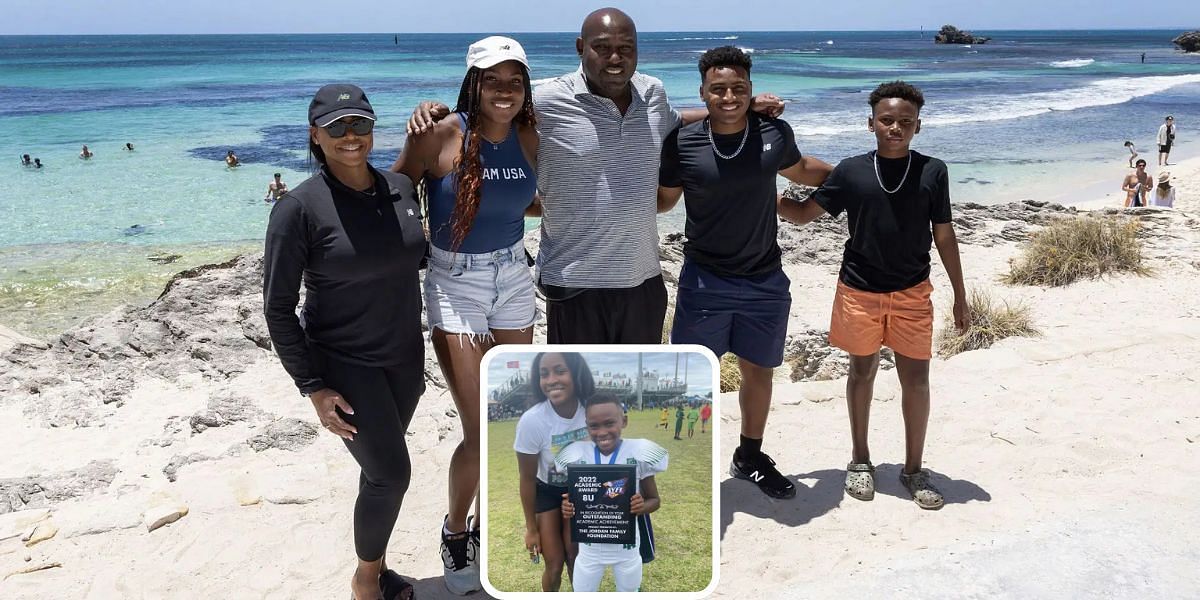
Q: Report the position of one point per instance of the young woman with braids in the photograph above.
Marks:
(479, 177)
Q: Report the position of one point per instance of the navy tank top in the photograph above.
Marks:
(509, 183)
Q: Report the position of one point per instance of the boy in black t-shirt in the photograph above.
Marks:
(733, 294)
(897, 202)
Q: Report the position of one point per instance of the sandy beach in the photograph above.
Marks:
(1065, 458)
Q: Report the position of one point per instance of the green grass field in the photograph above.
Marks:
(682, 525)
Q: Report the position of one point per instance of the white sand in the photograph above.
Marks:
(1068, 462)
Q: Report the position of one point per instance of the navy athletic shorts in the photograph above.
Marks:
(744, 315)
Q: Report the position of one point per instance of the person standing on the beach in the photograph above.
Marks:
(1132, 152)
(1163, 194)
(275, 189)
(1166, 138)
(897, 202)
(1143, 58)
(352, 236)
(601, 131)
(1136, 185)
(733, 294)
(479, 168)
(231, 160)
(85, 153)
(705, 415)
(560, 383)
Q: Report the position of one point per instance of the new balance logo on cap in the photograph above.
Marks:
(344, 97)
(766, 146)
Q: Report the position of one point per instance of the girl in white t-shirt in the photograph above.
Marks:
(560, 382)
(605, 422)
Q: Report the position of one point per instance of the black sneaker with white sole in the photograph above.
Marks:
(760, 470)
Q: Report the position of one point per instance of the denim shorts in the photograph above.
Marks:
(474, 293)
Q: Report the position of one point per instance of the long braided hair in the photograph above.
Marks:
(468, 169)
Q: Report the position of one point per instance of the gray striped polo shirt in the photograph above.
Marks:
(598, 177)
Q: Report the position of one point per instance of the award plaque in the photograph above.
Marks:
(601, 495)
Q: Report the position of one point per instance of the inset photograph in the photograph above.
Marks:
(599, 472)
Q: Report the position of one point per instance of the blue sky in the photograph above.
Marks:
(492, 16)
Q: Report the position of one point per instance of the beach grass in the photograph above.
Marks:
(731, 376)
(991, 321)
(1078, 248)
(682, 525)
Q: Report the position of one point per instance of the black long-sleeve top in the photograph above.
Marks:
(358, 255)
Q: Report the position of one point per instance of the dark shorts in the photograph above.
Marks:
(744, 315)
(1164, 148)
(549, 497)
(606, 315)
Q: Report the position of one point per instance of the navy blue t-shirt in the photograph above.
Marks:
(890, 234)
(732, 222)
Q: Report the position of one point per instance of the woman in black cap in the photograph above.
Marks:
(354, 235)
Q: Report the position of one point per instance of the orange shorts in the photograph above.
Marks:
(862, 322)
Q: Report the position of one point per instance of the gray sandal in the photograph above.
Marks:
(924, 493)
(860, 480)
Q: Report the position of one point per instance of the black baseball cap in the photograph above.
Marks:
(338, 100)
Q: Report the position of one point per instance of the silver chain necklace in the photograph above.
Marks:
(717, 151)
(879, 178)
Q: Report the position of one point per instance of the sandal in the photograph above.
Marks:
(860, 480)
(394, 586)
(923, 491)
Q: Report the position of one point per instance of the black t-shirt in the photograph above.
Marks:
(359, 255)
(890, 234)
(731, 223)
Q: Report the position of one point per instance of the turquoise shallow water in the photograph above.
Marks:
(1029, 112)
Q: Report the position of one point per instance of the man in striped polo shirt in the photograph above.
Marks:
(602, 129)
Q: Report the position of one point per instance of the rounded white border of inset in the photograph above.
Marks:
(610, 349)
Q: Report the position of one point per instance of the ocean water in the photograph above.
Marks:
(1028, 115)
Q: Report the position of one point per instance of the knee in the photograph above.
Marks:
(863, 370)
(392, 478)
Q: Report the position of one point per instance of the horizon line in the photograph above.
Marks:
(393, 33)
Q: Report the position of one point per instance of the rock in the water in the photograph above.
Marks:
(163, 514)
(38, 491)
(1188, 42)
(950, 34)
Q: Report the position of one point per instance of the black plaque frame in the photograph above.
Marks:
(602, 514)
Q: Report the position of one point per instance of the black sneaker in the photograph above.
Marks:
(460, 572)
(761, 471)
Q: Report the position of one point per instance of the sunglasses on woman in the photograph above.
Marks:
(359, 126)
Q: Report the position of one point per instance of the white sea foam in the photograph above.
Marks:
(688, 39)
(1104, 92)
(1072, 64)
(828, 42)
(746, 50)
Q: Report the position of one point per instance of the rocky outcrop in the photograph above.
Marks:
(40, 491)
(950, 34)
(1188, 42)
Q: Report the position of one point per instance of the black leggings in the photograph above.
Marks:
(383, 399)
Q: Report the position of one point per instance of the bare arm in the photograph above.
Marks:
(425, 115)
(527, 466)
(535, 208)
(799, 213)
(947, 246)
(808, 171)
(668, 197)
(646, 501)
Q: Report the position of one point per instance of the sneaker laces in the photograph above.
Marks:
(765, 466)
(454, 550)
